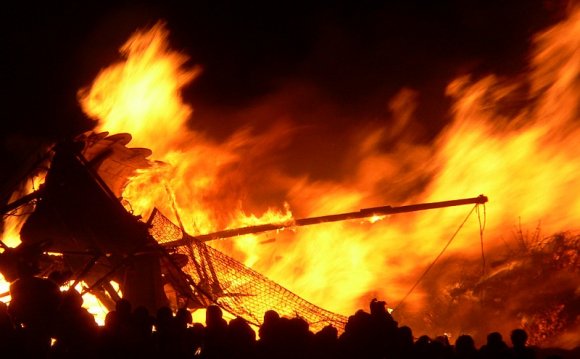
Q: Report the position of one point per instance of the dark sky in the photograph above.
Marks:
(356, 55)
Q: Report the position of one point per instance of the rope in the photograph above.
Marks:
(436, 259)
(481, 229)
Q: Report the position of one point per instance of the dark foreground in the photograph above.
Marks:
(54, 325)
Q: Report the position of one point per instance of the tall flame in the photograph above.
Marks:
(524, 157)
(145, 96)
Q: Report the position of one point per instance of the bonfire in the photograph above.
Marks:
(440, 271)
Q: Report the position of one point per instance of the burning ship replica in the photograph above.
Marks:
(79, 226)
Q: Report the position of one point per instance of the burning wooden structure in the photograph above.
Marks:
(80, 221)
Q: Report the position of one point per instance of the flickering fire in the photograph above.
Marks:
(11, 238)
(524, 159)
(90, 301)
(14, 220)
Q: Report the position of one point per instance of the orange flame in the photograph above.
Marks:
(13, 222)
(142, 93)
(524, 159)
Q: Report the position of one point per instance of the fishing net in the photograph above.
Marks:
(235, 287)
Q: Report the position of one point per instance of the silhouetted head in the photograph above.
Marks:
(213, 315)
(72, 299)
(269, 327)
(495, 339)
(362, 322)
(271, 316)
(59, 277)
(123, 307)
(423, 341)
(142, 318)
(164, 313)
(519, 337)
(163, 318)
(405, 335)
(198, 330)
(443, 339)
(328, 333)
(378, 308)
(464, 344)
(241, 330)
(183, 317)
(297, 330)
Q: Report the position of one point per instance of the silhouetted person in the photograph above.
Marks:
(325, 343)
(9, 345)
(441, 348)
(75, 329)
(165, 337)
(117, 338)
(33, 308)
(383, 329)
(296, 338)
(107, 343)
(357, 339)
(198, 337)
(187, 341)
(267, 330)
(495, 347)
(465, 348)
(519, 349)
(123, 308)
(183, 318)
(404, 342)
(269, 333)
(370, 335)
(241, 339)
(142, 332)
(215, 333)
(422, 347)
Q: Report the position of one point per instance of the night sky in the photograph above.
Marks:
(351, 56)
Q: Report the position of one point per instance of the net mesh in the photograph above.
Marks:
(237, 288)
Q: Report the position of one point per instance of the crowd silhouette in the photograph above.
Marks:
(42, 322)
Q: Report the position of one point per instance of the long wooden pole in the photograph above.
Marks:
(363, 213)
